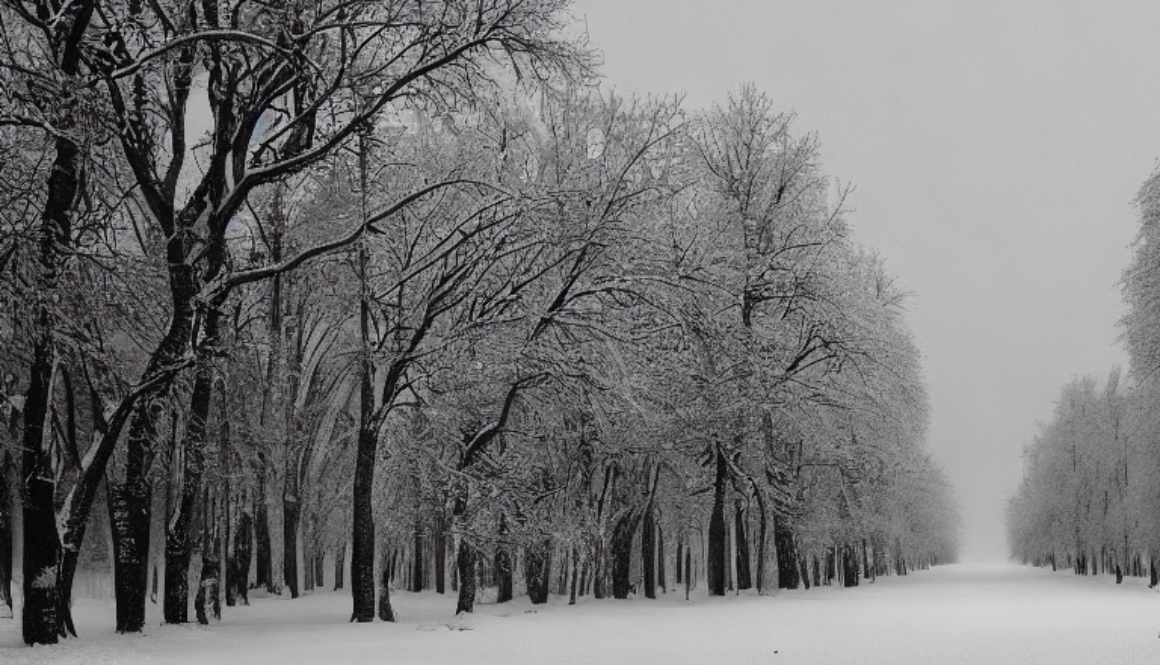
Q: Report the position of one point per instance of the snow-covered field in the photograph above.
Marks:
(954, 614)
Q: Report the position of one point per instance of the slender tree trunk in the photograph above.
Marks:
(680, 559)
(761, 541)
(45, 615)
(5, 536)
(290, 515)
(240, 558)
(865, 560)
(362, 571)
(575, 570)
(503, 573)
(787, 556)
(688, 572)
(339, 566)
(417, 561)
(207, 589)
(386, 611)
(717, 555)
(850, 566)
(648, 553)
(598, 566)
(465, 572)
(180, 532)
(661, 577)
(744, 576)
(264, 573)
(440, 546)
(130, 509)
(537, 571)
(622, 537)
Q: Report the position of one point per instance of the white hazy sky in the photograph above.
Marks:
(996, 148)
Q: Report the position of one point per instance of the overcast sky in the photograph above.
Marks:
(996, 148)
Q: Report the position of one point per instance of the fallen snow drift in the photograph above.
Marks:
(953, 614)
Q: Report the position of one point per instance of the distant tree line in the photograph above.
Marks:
(390, 295)
(1089, 499)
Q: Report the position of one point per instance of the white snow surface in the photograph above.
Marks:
(953, 614)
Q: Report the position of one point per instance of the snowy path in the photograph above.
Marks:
(954, 614)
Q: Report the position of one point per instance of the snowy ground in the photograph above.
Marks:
(954, 614)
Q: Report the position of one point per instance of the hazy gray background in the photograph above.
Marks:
(996, 148)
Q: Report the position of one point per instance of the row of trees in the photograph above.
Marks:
(542, 328)
(1088, 499)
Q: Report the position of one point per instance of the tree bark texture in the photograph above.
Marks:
(386, 611)
(238, 583)
(5, 535)
(717, 559)
(290, 514)
(787, 555)
(264, 564)
(465, 572)
(744, 577)
(537, 571)
(648, 553)
(622, 541)
(440, 546)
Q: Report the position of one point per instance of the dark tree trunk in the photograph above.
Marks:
(129, 508)
(362, 562)
(309, 565)
(440, 546)
(688, 572)
(598, 566)
(5, 534)
(849, 566)
(386, 611)
(537, 571)
(238, 583)
(417, 561)
(319, 562)
(787, 555)
(264, 573)
(622, 537)
(661, 577)
(180, 532)
(805, 571)
(831, 566)
(339, 566)
(41, 620)
(207, 589)
(717, 553)
(680, 560)
(503, 575)
(290, 513)
(648, 553)
(761, 531)
(465, 573)
(45, 615)
(865, 560)
(744, 577)
(730, 559)
(585, 576)
(575, 570)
